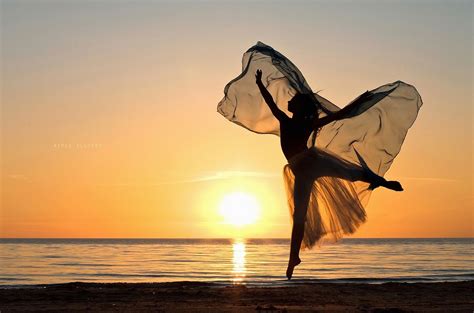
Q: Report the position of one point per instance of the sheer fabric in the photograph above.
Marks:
(369, 137)
(335, 206)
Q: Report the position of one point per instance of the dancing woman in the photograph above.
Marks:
(308, 164)
(336, 157)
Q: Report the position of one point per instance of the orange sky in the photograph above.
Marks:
(109, 123)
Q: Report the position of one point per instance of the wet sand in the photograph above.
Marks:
(208, 297)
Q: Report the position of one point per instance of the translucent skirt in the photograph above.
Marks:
(335, 191)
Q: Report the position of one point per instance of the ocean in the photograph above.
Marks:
(232, 261)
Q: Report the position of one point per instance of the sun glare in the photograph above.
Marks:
(239, 208)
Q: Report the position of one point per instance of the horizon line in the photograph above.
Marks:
(218, 238)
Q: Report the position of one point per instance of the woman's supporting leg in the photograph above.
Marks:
(301, 195)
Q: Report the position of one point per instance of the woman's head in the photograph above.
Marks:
(303, 105)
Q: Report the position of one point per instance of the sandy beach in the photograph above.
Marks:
(208, 297)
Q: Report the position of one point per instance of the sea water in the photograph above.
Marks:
(232, 261)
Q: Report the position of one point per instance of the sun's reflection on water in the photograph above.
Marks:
(238, 260)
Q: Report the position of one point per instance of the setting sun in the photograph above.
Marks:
(239, 208)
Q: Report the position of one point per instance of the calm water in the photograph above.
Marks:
(256, 261)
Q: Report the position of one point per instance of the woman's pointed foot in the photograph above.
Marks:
(291, 266)
(393, 185)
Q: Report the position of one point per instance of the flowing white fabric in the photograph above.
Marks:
(369, 137)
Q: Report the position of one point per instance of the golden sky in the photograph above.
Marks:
(109, 123)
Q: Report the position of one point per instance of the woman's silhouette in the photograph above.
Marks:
(294, 134)
(328, 180)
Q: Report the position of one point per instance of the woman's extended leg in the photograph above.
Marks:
(301, 195)
(332, 166)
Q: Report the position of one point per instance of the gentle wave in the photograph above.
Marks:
(228, 261)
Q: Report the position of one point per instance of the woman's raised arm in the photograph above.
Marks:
(279, 114)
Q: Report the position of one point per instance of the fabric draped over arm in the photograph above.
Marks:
(376, 128)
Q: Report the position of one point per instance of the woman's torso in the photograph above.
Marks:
(294, 137)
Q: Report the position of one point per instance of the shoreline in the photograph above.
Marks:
(187, 296)
(250, 284)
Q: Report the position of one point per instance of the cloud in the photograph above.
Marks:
(19, 177)
(226, 175)
(432, 179)
(222, 175)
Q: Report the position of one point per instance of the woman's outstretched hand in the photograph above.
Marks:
(258, 76)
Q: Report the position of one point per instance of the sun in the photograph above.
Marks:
(239, 208)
